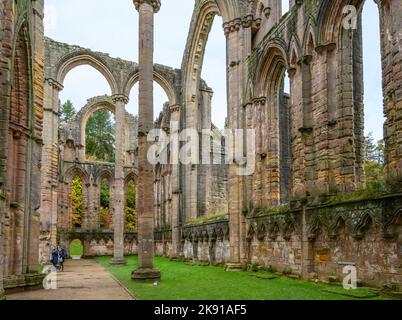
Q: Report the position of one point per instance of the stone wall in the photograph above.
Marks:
(21, 104)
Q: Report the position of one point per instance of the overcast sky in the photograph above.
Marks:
(112, 27)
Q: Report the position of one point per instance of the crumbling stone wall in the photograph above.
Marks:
(70, 152)
(21, 105)
(310, 145)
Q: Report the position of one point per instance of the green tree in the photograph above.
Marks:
(67, 112)
(105, 217)
(77, 201)
(100, 137)
(374, 163)
(130, 210)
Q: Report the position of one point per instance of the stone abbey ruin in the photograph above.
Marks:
(303, 210)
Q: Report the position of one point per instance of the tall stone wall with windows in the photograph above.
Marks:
(21, 105)
(305, 209)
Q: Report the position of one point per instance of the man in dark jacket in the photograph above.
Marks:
(54, 258)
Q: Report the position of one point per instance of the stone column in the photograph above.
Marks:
(119, 199)
(145, 195)
(2, 209)
(391, 39)
(176, 191)
(233, 31)
(49, 174)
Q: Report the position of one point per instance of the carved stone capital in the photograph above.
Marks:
(54, 84)
(156, 4)
(232, 26)
(175, 108)
(259, 101)
(120, 98)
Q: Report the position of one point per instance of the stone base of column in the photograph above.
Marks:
(176, 258)
(118, 262)
(2, 296)
(234, 267)
(146, 274)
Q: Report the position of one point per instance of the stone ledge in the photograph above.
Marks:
(23, 281)
(234, 267)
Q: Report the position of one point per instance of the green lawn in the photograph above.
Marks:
(181, 281)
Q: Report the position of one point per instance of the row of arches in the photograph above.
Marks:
(299, 132)
(88, 204)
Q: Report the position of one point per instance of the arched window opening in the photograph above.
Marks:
(105, 213)
(214, 74)
(77, 203)
(373, 97)
(213, 111)
(130, 210)
(100, 136)
(81, 83)
(285, 6)
(160, 98)
(284, 138)
(18, 122)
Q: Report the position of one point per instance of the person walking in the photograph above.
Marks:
(61, 256)
(54, 258)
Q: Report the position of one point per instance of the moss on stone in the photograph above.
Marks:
(282, 209)
(208, 219)
(359, 195)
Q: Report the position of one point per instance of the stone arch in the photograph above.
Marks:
(65, 201)
(330, 15)
(93, 106)
(309, 40)
(85, 57)
(108, 175)
(270, 69)
(251, 233)
(160, 79)
(334, 229)
(203, 18)
(20, 116)
(364, 223)
(273, 132)
(132, 176)
(294, 51)
(105, 174)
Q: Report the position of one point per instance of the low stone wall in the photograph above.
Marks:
(99, 243)
(310, 242)
(319, 242)
(207, 242)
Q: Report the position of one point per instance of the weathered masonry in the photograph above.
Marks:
(21, 118)
(304, 210)
(64, 151)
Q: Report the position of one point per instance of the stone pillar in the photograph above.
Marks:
(119, 184)
(49, 172)
(145, 195)
(176, 191)
(238, 35)
(391, 39)
(2, 209)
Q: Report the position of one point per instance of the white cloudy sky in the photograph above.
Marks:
(112, 27)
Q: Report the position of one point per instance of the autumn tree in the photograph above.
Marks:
(130, 210)
(77, 201)
(105, 217)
